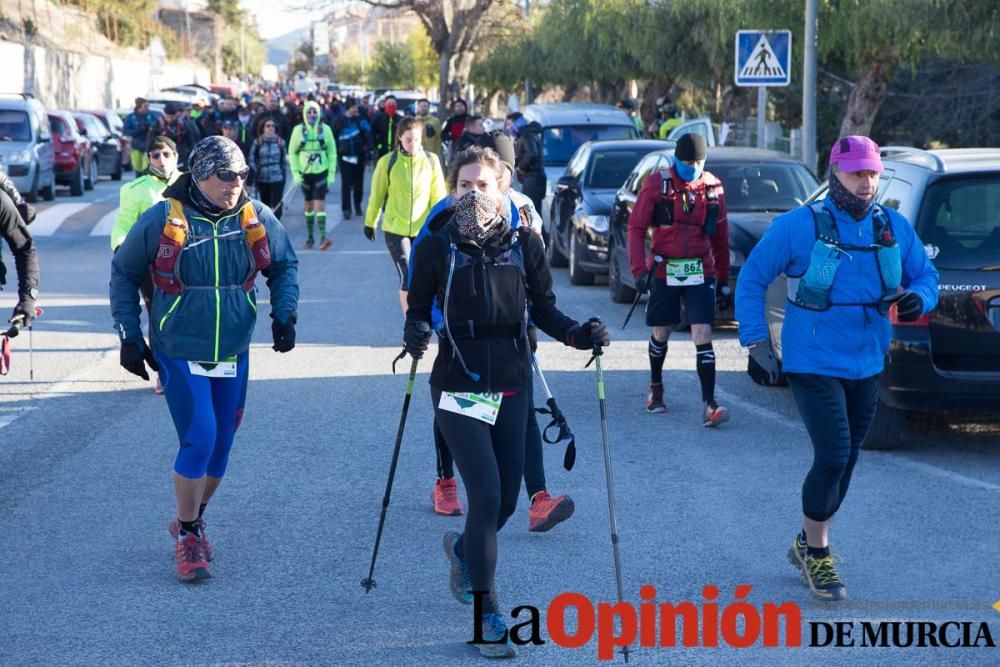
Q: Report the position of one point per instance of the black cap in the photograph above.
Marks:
(691, 147)
(500, 143)
(170, 108)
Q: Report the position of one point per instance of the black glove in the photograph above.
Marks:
(27, 212)
(416, 337)
(723, 298)
(762, 367)
(133, 354)
(909, 305)
(283, 334)
(24, 311)
(369, 232)
(592, 333)
(533, 338)
(643, 281)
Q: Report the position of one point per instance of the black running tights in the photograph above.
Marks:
(491, 462)
(837, 414)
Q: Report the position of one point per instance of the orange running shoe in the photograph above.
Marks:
(547, 511)
(190, 557)
(325, 244)
(175, 530)
(715, 414)
(445, 498)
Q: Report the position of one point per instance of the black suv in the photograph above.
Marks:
(948, 360)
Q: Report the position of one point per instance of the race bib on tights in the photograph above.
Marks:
(212, 369)
(483, 407)
(685, 272)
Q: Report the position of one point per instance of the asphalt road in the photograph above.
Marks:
(85, 457)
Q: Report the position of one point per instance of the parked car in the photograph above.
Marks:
(105, 145)
(565, 127)
(582, 201)
(758, 185)
(26, 146)
(74, 157)
(948, 360)
(116, 126)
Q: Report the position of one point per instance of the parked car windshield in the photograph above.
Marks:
(58, 126)
(559, 143)
(609, 169)
(961, 217)
(779, 186)
(14, 126)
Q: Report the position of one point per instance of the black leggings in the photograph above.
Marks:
(491, 461)
(837, 414)
(270, 194)
(534, 463)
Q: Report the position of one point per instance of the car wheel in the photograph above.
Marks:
(49, 191)
(76, 181)
(556, 259)
(32, 195)
(619, 293)
(886, 431)
(92, 175)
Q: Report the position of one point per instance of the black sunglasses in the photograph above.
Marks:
(228, 175)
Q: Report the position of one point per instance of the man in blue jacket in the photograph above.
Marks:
(848, 262)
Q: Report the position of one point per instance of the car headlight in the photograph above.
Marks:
(598, 223)
(19, 156)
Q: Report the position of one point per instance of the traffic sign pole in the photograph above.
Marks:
(761, 116)
(809, 86)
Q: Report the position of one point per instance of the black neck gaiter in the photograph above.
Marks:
(847, 201)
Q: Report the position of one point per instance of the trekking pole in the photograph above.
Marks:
(368, 583)
(638, 295)
(558, 420)
(596, 359)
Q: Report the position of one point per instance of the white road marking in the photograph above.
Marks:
(48, 221)
(105, 224)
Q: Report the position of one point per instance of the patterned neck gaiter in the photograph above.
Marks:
(477, 217)
(847, 201)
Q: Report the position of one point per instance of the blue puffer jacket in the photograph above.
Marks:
(212, 318)
(844, 341)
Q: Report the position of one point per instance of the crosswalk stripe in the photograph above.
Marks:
(48, 221)
(105, 224)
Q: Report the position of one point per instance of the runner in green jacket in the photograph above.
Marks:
(312, 153)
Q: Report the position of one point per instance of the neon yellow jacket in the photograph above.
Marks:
(415, 186)
(134, 198)
(307, 153)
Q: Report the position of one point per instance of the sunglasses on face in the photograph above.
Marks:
(156, 155)
(228, 175)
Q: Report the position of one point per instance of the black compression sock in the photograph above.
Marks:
(190, 527)
(201, 509)
(460, 548)
(818, 552)
(657, 354)
(706, 371)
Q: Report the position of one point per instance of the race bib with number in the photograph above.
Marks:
(211, 369)
(683, 272)
(483, 407)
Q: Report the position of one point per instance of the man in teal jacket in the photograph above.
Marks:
(848, 262)
(206, 243)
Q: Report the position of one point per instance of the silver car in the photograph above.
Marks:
(26, 146)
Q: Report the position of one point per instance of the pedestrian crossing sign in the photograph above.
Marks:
(763, 57)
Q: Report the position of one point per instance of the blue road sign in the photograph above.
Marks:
(763, 57)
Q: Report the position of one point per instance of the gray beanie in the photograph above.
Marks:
(214, 153)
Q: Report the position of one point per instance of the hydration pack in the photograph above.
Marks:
(812, 289)
(175, 236)
(663, 211)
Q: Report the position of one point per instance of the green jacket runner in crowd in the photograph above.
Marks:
(312, 148)
(416, 184)
(134, 199)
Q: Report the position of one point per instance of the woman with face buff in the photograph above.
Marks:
(486, 279)
(406, 184)
(206, 244)
(137, 196)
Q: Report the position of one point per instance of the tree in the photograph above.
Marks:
(454, 27)
(392, 66)
(350, 68)
(303, 60)
(425, 74)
